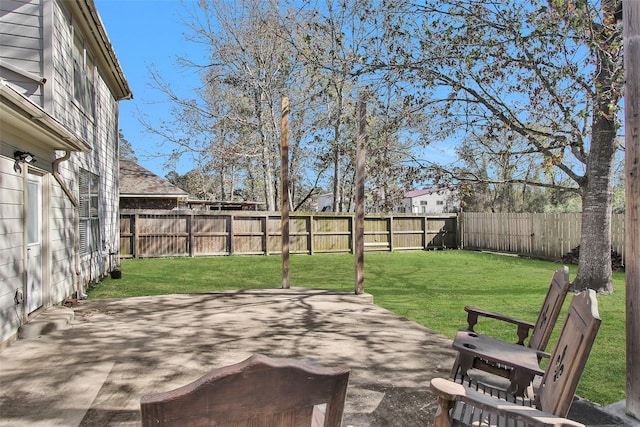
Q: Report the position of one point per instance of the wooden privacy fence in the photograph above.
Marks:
(541, 235)
(151, 233)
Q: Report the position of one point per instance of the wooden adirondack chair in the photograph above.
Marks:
(259, 391)
(480, 405)
(466, 341)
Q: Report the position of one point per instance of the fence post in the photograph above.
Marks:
(391, 229)
(136, 239)
(190, 238)
(231, 236)
(308, 231)
(460, 228)
(264, 225)
(425, 225)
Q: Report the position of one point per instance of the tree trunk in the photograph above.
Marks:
(594, 264)
(336, 175)
(267, 175)
(267, 171)
(337, 193)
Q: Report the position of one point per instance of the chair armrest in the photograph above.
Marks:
(543, 354)
(449, 392)
(523, 326)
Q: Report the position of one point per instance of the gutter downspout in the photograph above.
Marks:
(74, 202)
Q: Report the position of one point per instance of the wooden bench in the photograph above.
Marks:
(481, 404)
(497, 356)
(259, 391)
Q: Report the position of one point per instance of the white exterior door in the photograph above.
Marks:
(34, 243)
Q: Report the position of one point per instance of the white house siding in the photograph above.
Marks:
(429, 201)
(47, 24)
(62, 232)
(65, 107)
(61, 42)
(11, 245)
(107, 138)
(22, 42)
(99, 131)
(102, 161)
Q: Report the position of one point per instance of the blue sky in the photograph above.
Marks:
(145, 33)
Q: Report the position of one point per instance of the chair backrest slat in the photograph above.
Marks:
(551, 308)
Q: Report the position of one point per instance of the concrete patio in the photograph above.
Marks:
(94, 372)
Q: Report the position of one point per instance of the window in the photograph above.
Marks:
(90, 240)
(83, 75)
(424, 202)
(440, 202)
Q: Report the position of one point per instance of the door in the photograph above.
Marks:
(34, 243)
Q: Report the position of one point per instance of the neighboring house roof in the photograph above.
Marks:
(136, 181)
(418, 193)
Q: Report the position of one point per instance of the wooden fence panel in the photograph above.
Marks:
(377, 233)
(408, 233)
(542, 235)
(441, 232)
(147, 233)
(210, 235)
(249, 235)
(299, 230)
(189, 233)
(159, 235)
(333, 233)
(618, 233)
(127, 240)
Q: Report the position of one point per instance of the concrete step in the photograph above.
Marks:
(50, 319)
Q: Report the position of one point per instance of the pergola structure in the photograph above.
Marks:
(631, 28)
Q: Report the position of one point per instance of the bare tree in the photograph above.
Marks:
(501, 173)
(125, 148)
(330, 41)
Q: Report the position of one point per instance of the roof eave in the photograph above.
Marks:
(28, 118)
(101, 45)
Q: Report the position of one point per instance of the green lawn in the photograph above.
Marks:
(430, 288)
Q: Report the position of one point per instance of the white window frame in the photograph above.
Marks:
(83, 75)
(88, 211)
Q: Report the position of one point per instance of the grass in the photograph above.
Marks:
(430, 288)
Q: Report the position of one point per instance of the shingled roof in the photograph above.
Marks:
(136, 181)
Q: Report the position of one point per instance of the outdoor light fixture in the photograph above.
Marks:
(22, 157)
